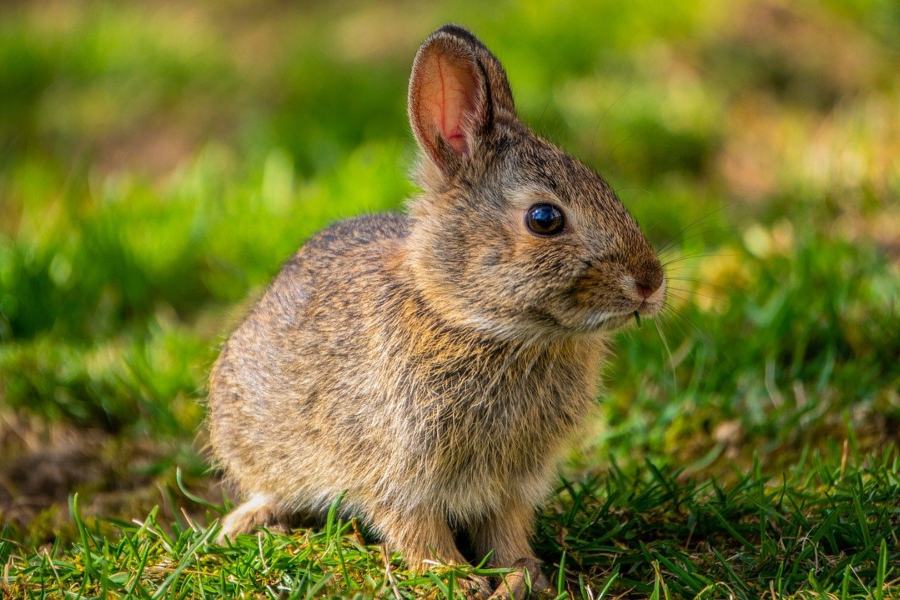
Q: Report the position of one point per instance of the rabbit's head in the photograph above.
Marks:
(512, 235)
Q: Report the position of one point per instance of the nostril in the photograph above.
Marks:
(645, 290)
(647, 283)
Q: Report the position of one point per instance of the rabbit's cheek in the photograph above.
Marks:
(597, 290)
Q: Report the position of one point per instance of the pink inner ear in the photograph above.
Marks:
(447, 97)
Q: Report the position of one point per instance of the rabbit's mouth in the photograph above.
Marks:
(607, 322)
(604, 321)
(616, 322)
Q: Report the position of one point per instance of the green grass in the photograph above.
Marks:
(635, 533)
(159, 162)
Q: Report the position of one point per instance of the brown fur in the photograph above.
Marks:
(434, 366)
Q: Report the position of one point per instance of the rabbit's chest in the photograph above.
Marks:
(495, 432)
(474, 420)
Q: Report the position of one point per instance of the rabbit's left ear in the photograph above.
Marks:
(456, 92)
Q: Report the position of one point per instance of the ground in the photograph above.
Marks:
(159, 161)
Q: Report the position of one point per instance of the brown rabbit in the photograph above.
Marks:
(433, 366)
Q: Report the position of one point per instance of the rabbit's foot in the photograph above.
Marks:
(259, 510)
(475, 586)
(515, 584)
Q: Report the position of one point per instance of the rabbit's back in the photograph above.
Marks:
(287, 385)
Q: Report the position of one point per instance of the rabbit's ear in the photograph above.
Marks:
(457, 90)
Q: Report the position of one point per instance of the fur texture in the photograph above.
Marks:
(433, 366)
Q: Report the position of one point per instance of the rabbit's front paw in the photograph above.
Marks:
(475, 586)
(515, 584)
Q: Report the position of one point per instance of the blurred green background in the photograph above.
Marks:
(160, 160)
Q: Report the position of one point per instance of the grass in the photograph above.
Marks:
(642, 534)
(159, 162)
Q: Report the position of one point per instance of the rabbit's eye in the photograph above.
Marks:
(545, 219)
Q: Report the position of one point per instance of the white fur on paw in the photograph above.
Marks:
(255, 511)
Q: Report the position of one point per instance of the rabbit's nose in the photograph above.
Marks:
(648, 281)
(645, 291)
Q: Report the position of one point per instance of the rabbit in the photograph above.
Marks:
(432, 367)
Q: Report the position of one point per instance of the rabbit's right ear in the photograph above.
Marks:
(457, 90)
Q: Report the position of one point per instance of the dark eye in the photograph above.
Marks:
(545, 219)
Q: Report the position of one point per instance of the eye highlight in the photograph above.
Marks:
(545, 219)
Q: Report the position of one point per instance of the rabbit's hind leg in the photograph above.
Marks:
(260, 509)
